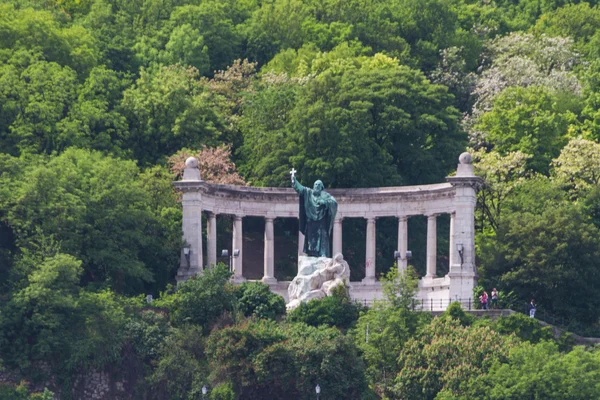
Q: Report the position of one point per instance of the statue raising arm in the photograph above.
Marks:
(296, 185)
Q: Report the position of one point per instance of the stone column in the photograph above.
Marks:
(269, 261)
(300, 244)
(402, 242)
(211, 240)
(337, 236)
(370, 253)
(238, 273)
(451, 249)
(431, 245)
(192, 263)
(463, 277)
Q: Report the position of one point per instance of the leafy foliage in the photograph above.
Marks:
(202, 299)
(256, 299)
(100, 212)
(335, 311)
(540, 372)
(99, 98)
(445, 357)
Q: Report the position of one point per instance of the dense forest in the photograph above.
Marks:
(102, 100)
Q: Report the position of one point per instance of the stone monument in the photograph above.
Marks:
(318, 273)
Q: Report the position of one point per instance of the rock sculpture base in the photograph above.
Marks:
(317, 277)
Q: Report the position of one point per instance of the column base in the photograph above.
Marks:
(186, 273)
(462, 271)
(268, 280)
(239, 279)
(369, 280)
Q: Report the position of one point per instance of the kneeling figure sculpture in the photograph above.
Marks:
(317, 277)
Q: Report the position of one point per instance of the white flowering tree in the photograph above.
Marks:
(578, 164)
(521, 60)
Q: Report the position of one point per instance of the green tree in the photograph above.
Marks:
(37, 320)
(578, 165)
(201, 300)
(501, 175)
(94, 120)
(261, 359)
(186, 46)
(212, 20)
(100, 211)
(383, 330)
(256, 299)
(354, 112)
(231, 352)
(546, 248)
(540, 371)
(531, 120)
(523, 327)
(181, 368)
(169, 109)
(337, 310)
(38, 97)
(577, 21)
(40, 31)
(447, 356)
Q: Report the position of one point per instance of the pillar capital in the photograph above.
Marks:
(403, 218)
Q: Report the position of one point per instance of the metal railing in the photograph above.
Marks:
(467, 304)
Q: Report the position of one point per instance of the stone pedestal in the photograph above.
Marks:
(317, 277)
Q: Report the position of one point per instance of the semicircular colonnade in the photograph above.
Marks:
(456, 197)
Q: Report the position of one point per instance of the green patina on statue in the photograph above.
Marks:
(317, 212)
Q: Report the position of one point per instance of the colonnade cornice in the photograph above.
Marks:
(353, 203)
(370, 195)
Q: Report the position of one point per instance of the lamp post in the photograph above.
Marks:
(318, 390)
(398, 256)
(236, 254)
(461, 252)
(204, 391)
(225, 253)
(186, 253)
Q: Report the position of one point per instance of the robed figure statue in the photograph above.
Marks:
(317, 212)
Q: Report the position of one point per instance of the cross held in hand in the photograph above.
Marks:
(293, 173)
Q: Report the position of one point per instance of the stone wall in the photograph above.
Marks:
(90, 385)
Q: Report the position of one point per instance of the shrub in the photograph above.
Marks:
(337, 310)
(256, 299)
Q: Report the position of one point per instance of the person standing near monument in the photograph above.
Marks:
(316, 214)
(494, 298)
(532, 307)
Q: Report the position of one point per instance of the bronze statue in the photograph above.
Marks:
(317, 212)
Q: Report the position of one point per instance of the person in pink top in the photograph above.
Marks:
(483, 299)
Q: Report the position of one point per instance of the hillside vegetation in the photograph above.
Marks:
(102, 100)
